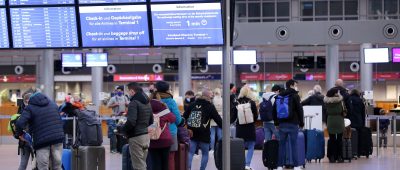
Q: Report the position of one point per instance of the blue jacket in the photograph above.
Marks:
(45, 123)
(171, 104)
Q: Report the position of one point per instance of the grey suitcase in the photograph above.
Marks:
(88, 158)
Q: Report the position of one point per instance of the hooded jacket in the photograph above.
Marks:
(334, 110)
(208, 112)
(356, 111)
(171, 104)
(296, 113)
(45, 123)
(165, 139)
(139, 116)
(316, 99)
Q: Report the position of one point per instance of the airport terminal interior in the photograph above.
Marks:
(88, 49)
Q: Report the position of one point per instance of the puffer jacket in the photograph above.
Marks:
(171, 104)
(139, 117)
(335, 110)
(45, 123)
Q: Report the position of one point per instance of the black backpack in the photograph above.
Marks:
(89, 129)
(266, 109)
(196, 118)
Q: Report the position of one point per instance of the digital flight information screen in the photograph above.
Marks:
(44, 27)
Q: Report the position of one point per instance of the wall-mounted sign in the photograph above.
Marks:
(138, 77)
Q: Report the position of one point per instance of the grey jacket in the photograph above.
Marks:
(139, 117)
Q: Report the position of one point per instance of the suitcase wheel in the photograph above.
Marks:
(367, 156)
(349, 160)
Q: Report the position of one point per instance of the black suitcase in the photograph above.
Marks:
(237, 154)
(88, 158)
(347, 151)
(354, 142)
(364, 142)
(270, 154)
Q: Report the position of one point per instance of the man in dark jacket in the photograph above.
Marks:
(317, 99)
(198, 118)
(139, 117)
(356, 110)
(290, 125)
(46, 127)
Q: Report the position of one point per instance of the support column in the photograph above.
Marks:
(47, 73)
(185, 70)
(97, 83)
(366, 70)
(233, 74)
(332, 65)
(295, 10)
(226, 71)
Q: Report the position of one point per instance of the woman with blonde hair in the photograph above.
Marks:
(246, 131)
(215, 130)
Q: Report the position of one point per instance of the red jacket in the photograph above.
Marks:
(165, 138)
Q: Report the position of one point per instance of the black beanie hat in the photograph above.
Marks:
(162, 86)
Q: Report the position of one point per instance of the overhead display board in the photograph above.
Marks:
(40, 2)
(114, 26)
(108, 1)
(2, 2)
(187, 24)
(4, 43)
(44, 27)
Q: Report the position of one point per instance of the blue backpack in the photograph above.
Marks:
(282, 107)
(266, 109)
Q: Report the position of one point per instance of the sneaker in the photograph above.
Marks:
(196, 157)
(279, 168)
(297, 168)
(211, 152)
(248, 168)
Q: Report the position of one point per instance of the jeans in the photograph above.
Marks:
(113, 143)
(250, 151)
(160, 157)
(285, 130)
(138, 148)
(25, 153)
(204, 153)
(269, 129)
(44, 154)
(215, 129)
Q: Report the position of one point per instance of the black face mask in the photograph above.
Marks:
(151, 91)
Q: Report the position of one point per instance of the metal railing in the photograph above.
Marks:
(384, 117)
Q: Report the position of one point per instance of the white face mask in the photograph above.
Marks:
(296, 88)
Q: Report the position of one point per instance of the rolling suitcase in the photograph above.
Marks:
(364, 142)
(88, 158)
(347, 151)
(121, 141)
(259, 138)
(126, 158)
(315, 145)
(237, 154)
(270, 154)
(66, 159)
(181, 157)
(354, 142)
(301, 157)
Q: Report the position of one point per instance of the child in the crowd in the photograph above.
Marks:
(383, 128)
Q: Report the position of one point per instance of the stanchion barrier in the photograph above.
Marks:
(383, 117)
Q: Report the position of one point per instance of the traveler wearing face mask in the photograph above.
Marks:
(189, 99)
(118, 103)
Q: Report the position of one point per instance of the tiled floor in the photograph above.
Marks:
(9, 161)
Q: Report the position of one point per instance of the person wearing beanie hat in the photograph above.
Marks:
(162, 89)
(159, 149)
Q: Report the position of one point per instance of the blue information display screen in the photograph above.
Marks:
(3, 29)
(41, 2)
(71, 60)
(108, 1)
(114, 26)
(180, 0)
(96, 60)
(187, 24)
(2, 2)
(44, 27)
